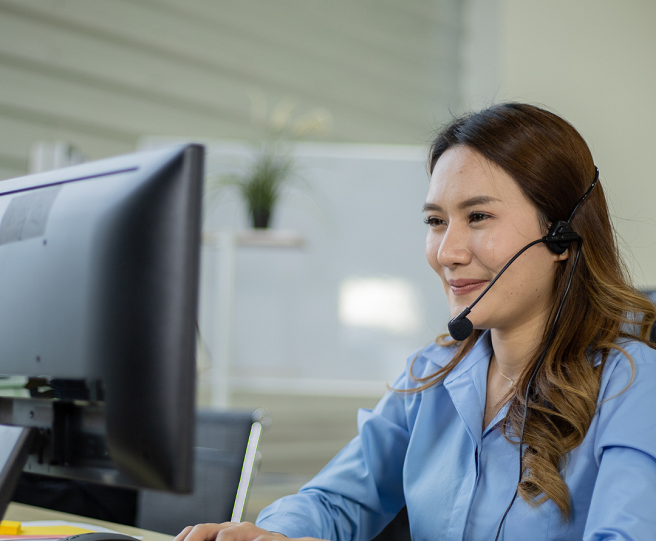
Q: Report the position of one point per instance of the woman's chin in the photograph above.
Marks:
(456, 309)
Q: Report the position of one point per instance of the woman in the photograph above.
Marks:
(444, 441)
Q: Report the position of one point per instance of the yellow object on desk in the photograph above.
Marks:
(46, 531)
(10, 527)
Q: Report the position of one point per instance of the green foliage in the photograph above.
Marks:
(262, 180)
(261, 183)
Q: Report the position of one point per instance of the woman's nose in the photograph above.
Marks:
(454, 248)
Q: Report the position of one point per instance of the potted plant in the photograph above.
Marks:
(261, 182)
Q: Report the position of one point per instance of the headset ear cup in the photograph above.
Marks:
(554, 240)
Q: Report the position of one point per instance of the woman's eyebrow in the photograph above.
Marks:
(471, 202)
(478, 200)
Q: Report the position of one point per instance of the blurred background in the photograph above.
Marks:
(312, 317)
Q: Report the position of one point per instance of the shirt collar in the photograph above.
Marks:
(466, 385)
(481, 351)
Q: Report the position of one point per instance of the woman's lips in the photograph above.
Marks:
(463, 287)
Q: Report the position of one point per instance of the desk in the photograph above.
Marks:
(25, 513)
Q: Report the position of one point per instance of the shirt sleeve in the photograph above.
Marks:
(361, 489)
(623, 505)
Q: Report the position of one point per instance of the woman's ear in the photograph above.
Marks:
(560, 238)
(562, 257)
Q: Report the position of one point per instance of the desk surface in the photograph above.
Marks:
(25, 513)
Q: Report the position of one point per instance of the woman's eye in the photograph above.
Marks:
(478, 217)
(433, 221)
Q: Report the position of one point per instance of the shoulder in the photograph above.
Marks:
(421, 365)
(627, 399)
(403, 402)
(640, 352)
(632, 362)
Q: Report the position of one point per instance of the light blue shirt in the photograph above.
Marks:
(428, 451)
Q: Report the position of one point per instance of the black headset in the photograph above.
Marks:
(558, 240)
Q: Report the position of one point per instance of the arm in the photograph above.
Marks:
(353, 497)
(361, 489)
(338, 502)
(623, 505)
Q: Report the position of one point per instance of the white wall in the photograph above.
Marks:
(361, 219)
(593, 62)
(103, 73)
(479, 53)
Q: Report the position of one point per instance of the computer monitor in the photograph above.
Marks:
(99, 268)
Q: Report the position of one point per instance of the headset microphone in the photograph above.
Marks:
(559, 238)
(460, 327)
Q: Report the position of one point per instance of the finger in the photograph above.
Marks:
(274, 536)
(205, 532)
(183, 534)
(243, 531)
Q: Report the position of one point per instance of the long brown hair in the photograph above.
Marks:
(553, 166)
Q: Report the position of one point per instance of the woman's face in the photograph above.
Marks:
(478, 219)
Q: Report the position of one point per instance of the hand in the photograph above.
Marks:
(231, 531)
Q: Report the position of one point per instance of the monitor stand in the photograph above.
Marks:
(15, 445)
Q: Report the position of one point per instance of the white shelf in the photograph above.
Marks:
(266, 238)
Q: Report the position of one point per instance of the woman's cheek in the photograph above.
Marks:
(492, 250)
(432, 249)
